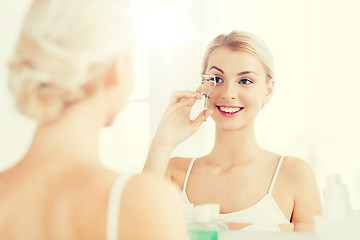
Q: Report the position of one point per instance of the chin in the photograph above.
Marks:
(233, 125)
(230, 127)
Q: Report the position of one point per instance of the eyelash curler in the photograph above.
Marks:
(209, 83)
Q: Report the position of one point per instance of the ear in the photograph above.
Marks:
(117, 85)
(112, 76)
(269, 90)
(120, 73)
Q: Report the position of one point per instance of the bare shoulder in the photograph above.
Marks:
(297, 168)
(150, 203)
(305, 192)
(299, 174)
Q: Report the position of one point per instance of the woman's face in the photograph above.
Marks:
(242, 90)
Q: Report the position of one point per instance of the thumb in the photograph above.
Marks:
(208, 113)
(196, 123)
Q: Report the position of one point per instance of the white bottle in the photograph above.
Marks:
(336, 198)
(338, 221)
(188, 212)
(215, 217)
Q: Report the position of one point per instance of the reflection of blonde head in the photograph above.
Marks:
(243, 41)
(65, 48)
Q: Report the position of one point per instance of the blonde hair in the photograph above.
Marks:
(243, 41)
(65, 47)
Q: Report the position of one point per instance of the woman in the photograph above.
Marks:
(71, 72)
(251, 184)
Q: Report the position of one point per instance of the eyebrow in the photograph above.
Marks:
(245, 72)
(239, 74)
(213, 67)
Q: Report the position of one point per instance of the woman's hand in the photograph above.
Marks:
(175, 125)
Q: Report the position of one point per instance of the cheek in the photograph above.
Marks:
(213, 97)
(251, 98)
(245, 97)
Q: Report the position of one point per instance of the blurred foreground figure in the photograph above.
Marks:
(72, 72)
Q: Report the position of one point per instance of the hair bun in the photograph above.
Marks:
(41, 100)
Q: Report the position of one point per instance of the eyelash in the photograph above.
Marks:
(245, 79)
(219, 80)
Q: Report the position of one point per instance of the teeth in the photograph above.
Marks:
(230, 109)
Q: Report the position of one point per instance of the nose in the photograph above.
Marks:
(229, 92)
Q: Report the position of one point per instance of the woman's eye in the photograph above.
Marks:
(245, 81)
(218, 80)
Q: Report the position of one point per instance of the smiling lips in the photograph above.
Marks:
(229, 110)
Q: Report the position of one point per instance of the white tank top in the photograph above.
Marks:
(112, 220)
(265, 215)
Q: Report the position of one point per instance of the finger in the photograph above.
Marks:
(191, 101)
(198, 96)
(208, 113)
(200, 89)
(184, 105)
(178, 95)
(198, 92)
(184, 99)
(196, 123)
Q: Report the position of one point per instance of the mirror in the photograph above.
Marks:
(312, 114)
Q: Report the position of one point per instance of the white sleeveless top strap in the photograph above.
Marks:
(275, 174)
(188, 174)
(112, 220)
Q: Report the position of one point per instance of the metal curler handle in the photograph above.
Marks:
(210, 80)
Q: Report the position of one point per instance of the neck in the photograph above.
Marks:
(234, 147)
(70, 140)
